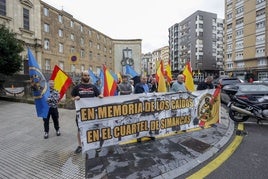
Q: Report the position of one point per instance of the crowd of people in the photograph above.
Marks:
(86, 89)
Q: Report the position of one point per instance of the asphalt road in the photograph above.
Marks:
(250, 158)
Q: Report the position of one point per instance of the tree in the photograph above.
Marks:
(10, 49)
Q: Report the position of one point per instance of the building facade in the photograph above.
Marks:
(71, 44)
(246, 44)
(55, 37)
(127, 52)
(198, 39)
(24, 19)
(157, 56)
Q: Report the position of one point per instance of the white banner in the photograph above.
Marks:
(117, 119)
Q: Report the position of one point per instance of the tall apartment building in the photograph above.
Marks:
(246, 42)
(198, 38)
(147, 64)
(157, 56)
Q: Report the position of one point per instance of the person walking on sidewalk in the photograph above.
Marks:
(85, 89)
(52, 101)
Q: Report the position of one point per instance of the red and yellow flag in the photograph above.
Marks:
(160, 78)
(109, 86)
(168, 72)
(61, 80)
(188, 76)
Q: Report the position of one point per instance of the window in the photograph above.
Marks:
(47, 64)
(60, 18)
(81, 28)
(82, 41)
(239, 44)
(229, 16)
(260, 38)
(262, 62)
(82, 67)
(260, 50)
(46, 11)
(3, 9)
(72, 50)
(26, 19)
(89, 32)
(60, 47)
(90, 55)
(229, 56)
(71, 23)
(98, 46)
(260, 24)
(60, 33)
(229, 26)
(90, 43)
(46, 44)
(46, 27)
(239, 32)
(72, 67)
(82, 53)
(260, 12)
(72, 37)
(259, 1)
(239, 21)
(61, 65)
(239, 10)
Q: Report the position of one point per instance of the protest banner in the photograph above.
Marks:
(115, 120)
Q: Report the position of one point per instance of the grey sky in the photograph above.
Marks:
(148, 20)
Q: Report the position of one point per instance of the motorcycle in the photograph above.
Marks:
(245, 104)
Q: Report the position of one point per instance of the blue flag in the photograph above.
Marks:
(93, 77)
(130, 71)
(39, 87)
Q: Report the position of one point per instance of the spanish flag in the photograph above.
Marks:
(188, 76)
(160, 78)
(109, 86)
(61, 80)
(168, 73)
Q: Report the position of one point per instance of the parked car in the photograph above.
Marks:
(249, 91)
(223, 81)
(264, 81)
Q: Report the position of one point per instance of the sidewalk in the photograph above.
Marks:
(26, 154)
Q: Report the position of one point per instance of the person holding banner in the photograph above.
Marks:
(52, 101)
(85, 89)
(207, 84)
(142, 86)
(124, 87)
(179, 86)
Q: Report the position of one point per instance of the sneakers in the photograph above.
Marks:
(46, 135)
(78, 150)
(58, 132)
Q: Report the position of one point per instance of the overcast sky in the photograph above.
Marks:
(148, 20)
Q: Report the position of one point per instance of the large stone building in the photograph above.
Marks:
(24, 19)
(246, 42)
(57, 38)
(198, 38)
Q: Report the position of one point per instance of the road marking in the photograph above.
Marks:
(214, 164)
(263, 123)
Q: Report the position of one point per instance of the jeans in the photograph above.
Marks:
(53, 112)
